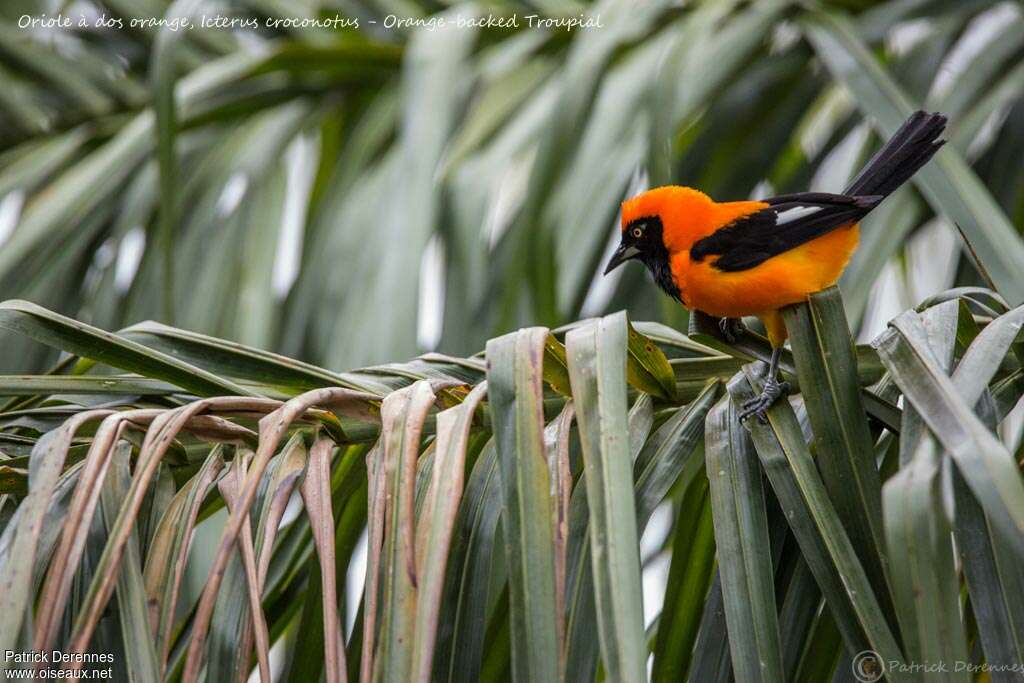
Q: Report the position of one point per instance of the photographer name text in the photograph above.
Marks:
(50, 665)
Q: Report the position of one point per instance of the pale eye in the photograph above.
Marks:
(638, 232)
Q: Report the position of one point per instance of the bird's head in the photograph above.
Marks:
(657, 224)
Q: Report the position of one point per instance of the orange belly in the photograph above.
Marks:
(781, 280)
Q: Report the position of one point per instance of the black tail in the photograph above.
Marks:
(905, 152)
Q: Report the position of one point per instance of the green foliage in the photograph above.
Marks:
(503, 516)
(336, 157)
(146, 474)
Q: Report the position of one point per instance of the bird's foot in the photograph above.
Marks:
(772, 392)
(731, 328)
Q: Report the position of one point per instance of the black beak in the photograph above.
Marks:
(621, 255)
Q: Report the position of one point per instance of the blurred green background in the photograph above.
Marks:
(360, 195)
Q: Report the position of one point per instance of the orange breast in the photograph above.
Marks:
(781, 280)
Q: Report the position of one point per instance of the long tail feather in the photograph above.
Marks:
(908, 150)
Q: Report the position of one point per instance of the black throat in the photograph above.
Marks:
(659, 266)
(654, 255)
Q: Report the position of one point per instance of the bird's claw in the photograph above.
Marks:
(772, 392)
(731, 328)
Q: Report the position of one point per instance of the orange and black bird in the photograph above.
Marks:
(731, 259)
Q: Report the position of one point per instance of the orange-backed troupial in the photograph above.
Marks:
(731, 259)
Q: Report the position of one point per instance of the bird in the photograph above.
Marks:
(754, 257)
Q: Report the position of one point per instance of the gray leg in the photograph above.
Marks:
(731, 328)
(772, 392)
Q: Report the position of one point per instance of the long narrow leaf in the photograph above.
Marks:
(984, 461)
(514, 380)
(132, 606)
(689, 580)
(794, 477)
(827, 367)
(597, 368)
(86, 341)
(316, 496)
(434, 535)
(744, 549)
(403, 414)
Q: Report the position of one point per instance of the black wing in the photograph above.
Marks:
(787, 222)
(793, 219)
